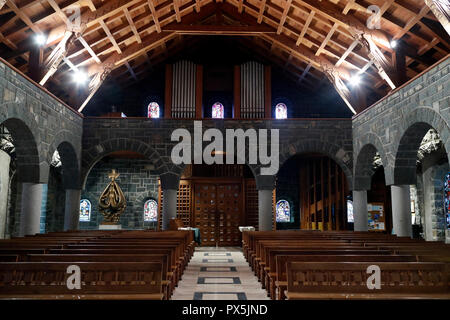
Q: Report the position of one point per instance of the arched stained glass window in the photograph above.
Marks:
(85, 210)
(447, 199)
(350, 217)
(217, 111)
(283, 211)
(150, 211)
(281, 111)
(153, 110)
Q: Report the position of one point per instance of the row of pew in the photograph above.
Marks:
(112, 264)
(306, 264)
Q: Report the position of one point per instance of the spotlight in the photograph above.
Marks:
(393, 43)
(355, 80)
(40, 39)
(80, 77)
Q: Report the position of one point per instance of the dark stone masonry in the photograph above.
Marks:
(138, 181)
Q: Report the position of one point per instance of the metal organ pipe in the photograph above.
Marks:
(183, 92)
(252, 90)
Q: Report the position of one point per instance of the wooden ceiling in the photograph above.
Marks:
(300, 36)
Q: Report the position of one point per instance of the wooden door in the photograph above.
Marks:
(218, 213)
(229, 204)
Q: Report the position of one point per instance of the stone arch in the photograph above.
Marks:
(31, 166)
(370, 144)
(412, 130)
(342, 157)
(95, 153)
(69, 158)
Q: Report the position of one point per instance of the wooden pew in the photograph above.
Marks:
(167, 281)
(278, 279)
(348, 280)
(47, 280)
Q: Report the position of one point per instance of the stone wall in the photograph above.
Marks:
(39, 123)
(395, 126)
(152, 138)
(54, 209)
(432, 177)
(138, 181)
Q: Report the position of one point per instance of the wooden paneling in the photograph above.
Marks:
(323, 194)
(218, 213)
(168, 92)
(198, 92)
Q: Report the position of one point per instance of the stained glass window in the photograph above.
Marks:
(150, 211)
(350, 211)
(283, 211)
(217, 111)
(281, 111)
(447, 199)
(153, 110)
(85, 210)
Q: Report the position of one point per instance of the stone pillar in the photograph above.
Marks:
(72, 209)
(360, 213)
(169, 207)
(401, 210)
(169, 186)
(265, 213)
(265, 186)
(30, 214)
(4, 190)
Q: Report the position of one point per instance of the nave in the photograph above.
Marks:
(164, 265)
(219, 273)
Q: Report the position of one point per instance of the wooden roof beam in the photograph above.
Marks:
(346, 53)
(176, 7)
(197, 6)
(154, 15)
(192, 17)
(262, 8)
(110, 36)
(305, 28)
(228, 30)
(284, 15)
(305, 72)
(132, 25)
(130, 70)
(329, 35)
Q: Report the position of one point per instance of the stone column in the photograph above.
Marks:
(360, 213)
(4, 190)
(169, 186)
(30, 214)
(265, 186)
(72, 209)
(401, 210)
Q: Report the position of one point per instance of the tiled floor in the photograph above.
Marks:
(219, 274)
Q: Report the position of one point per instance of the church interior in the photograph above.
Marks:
(138, 138)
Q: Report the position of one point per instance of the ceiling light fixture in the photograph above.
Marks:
(40, 39)
(355, 80)
(393, 44)
(80, 77)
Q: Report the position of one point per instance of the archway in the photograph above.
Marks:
(316, 189)
(63, 189)
(421, 163)
(138, 179)
(22, 168)
(217, 199)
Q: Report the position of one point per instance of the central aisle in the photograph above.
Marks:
(219, 274)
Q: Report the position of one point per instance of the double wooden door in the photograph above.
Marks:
(218, 213)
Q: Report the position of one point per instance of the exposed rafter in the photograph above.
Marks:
(303, 37)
